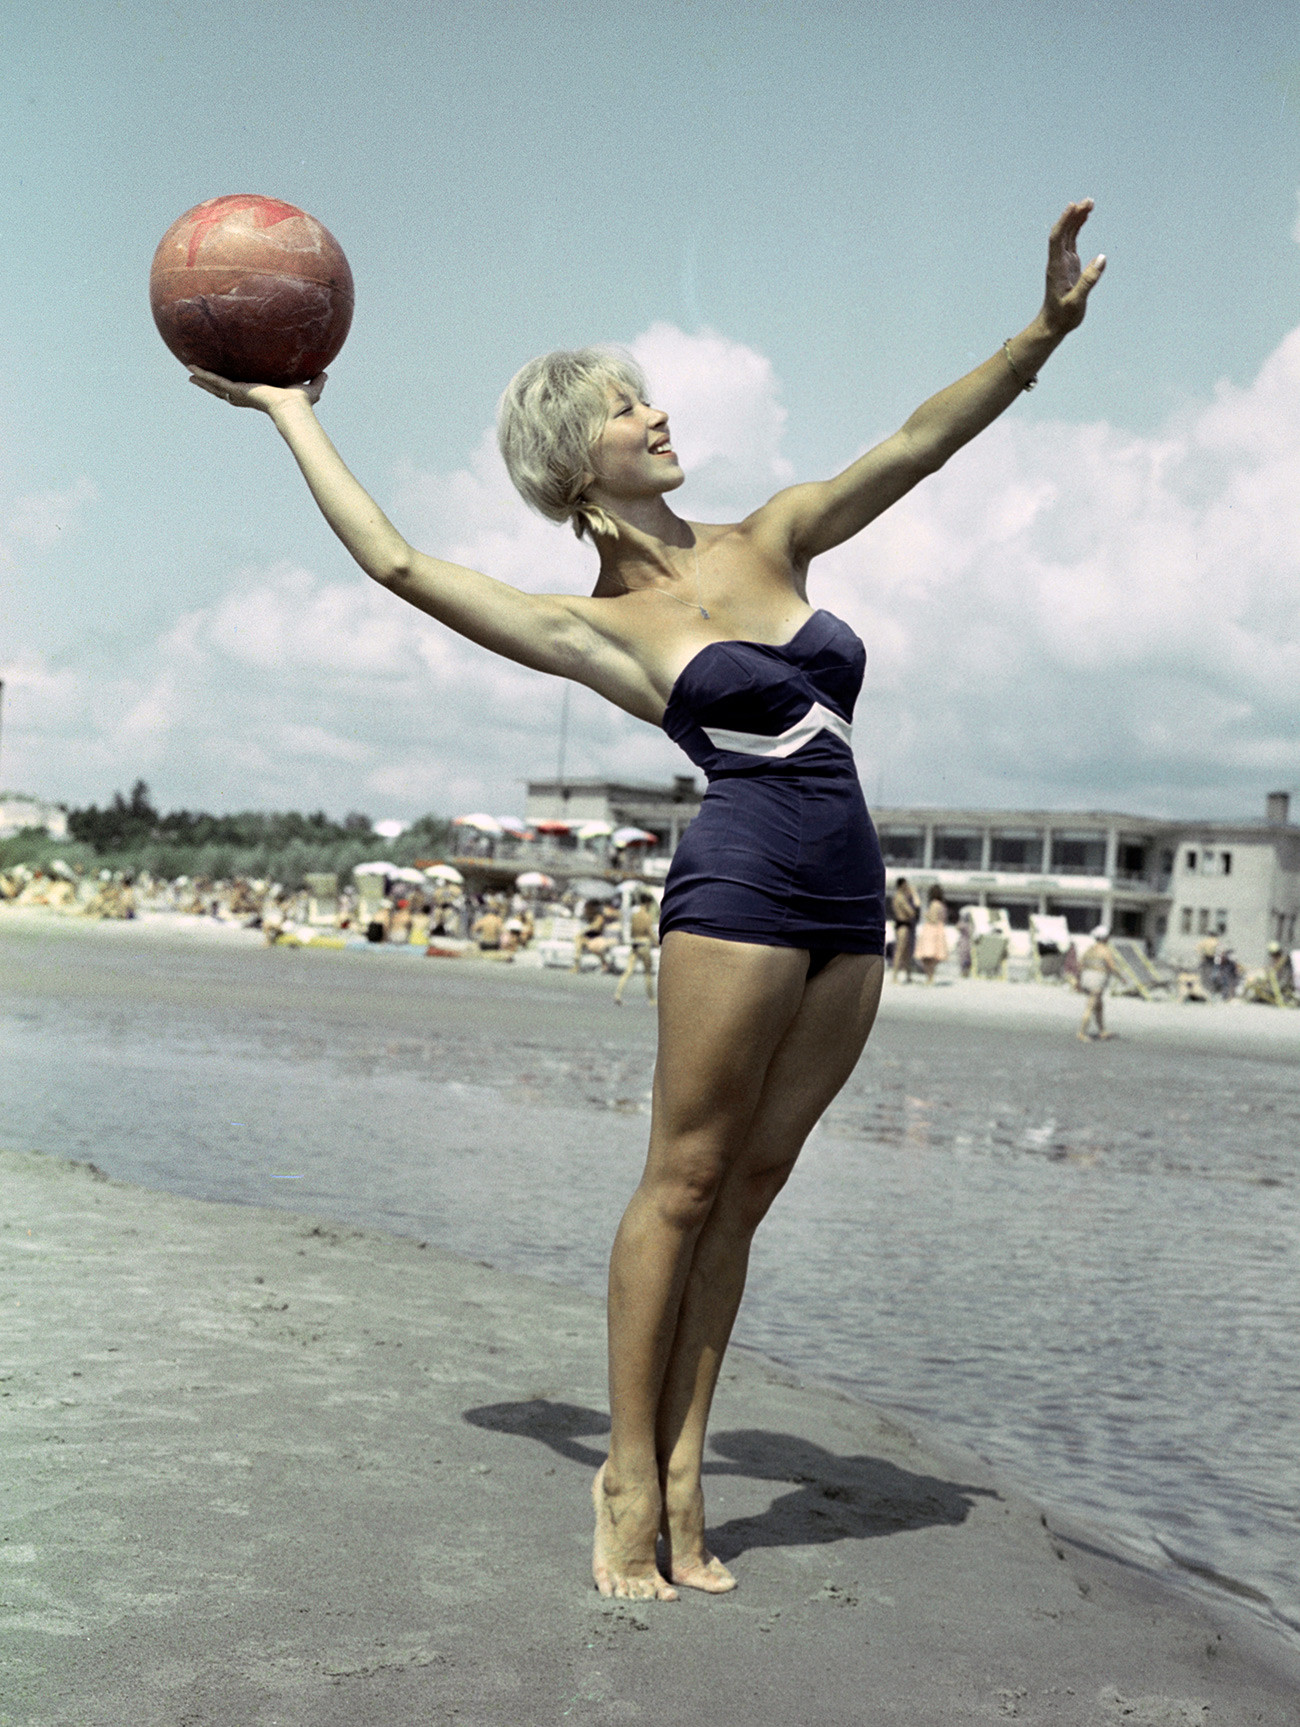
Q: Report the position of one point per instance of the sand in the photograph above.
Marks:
(260, 1469)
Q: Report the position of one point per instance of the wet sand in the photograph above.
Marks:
(266, 1470)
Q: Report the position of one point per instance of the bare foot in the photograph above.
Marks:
(689, 1561)
(623, 1553)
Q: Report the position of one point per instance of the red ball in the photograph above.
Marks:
(253, 289)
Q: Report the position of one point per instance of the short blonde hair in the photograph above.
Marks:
(549, 421)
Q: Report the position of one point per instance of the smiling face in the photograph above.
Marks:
(633, 457)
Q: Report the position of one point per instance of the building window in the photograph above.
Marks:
(1079, 919)
(1185, 920)
(1220, 923)
(903, 845)
(1016, 853)
(1225, 863)
(1132, 922)
(1191, 863)
(1131, 859)
(1162, 923)
(958, 848)
(1078, 854)
(1017, 916)
(1166, 863)
(1203, 921)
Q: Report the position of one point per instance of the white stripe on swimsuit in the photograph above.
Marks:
(817, 719)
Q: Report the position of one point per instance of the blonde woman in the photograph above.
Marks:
(773, 919)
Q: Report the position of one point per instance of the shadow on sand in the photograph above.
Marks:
(834, 1498)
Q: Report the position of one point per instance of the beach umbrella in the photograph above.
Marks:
(512, 825)
(533, 878)
(551, 825)
(587, 887)
(485, 824)
(377, 868)
(594, 830)
(634, 837)
(444, 872)
(411, 875)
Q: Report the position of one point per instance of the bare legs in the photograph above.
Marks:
(749, 1057)
(1094, 1013)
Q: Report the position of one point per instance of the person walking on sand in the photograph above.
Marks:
(905, 909)
(772, 929)
(641, 933)
(932, 940)
(1096, 969)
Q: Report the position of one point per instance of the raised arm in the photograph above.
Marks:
(813, 518)
(537, 630)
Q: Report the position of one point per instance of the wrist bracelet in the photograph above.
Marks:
(1025, 383)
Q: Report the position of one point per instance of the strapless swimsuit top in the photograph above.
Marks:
(743, 707)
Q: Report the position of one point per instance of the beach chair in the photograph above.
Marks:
(1140, 975)
(1050, 932)
(558, 948)
(989, 955)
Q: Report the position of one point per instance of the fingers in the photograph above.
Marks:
(213, 383)
(1071, 219)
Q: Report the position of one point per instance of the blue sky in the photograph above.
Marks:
(807, 217)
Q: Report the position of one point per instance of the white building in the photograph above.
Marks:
(663, 810)
(1238, 881)
(17, 813)
(1167, 883)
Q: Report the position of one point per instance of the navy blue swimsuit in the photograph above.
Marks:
(783, 852)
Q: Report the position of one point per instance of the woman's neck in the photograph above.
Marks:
(651, 539)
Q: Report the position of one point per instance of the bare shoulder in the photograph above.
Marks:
(778, 529)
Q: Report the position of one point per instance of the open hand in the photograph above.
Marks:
(265, 397)
(1068, 285)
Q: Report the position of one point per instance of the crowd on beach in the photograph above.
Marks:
(610, 927)
(982, 943)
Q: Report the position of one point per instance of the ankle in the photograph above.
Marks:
(617, 1480)
(679, 1481)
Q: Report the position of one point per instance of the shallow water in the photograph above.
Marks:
(1081, 1262)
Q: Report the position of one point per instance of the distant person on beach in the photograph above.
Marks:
(641, 933)
(1281, 972)
(487, 929)
(592, 938)
(1096, 969)
(932, 939)
(772, 927)
(905, 909)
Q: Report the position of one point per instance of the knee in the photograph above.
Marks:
(751, 1193)
(685, 1195)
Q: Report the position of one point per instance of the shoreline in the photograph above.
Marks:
(278, 1469)
(1236, 1027)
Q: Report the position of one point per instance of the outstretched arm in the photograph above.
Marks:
(537, 630)
(813, 518)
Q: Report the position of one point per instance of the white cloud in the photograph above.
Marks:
(42, 519)
(1068, 614)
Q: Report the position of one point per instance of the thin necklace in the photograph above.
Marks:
(696, 605)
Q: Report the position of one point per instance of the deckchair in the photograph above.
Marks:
(1047, 931)
(1140, 976)
(989, 955)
